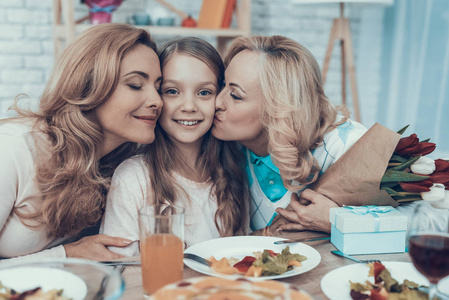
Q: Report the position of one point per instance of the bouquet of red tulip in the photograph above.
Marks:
(413, 176)
(382, 168)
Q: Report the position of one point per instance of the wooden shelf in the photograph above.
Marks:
(65, 32)
(60, 30)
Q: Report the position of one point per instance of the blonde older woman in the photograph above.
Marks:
(100, 102)
(274, 105)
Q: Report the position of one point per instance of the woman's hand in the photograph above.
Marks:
(94, 247)
(311, 212)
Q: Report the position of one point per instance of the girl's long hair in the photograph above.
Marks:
(221, 161)
(72, 181)
(295, 111)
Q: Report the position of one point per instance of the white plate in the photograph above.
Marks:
(26, 278)
(241, 246)
(335, 284)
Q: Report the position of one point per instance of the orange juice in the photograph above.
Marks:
(162, 261)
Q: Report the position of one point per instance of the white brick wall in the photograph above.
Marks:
(26, 45)
(12, 3)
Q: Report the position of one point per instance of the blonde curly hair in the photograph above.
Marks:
(295, 111)
(72, 180)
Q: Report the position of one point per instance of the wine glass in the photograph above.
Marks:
(428, 248)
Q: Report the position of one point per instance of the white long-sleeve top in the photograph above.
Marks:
(129, 192)
(20, 194)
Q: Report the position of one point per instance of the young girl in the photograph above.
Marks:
(186, 165)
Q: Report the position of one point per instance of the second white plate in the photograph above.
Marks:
(335, 284)
(241, 246)
(26, 278)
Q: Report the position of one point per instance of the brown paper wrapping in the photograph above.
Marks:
(354, 179)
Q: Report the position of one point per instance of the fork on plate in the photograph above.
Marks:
(197, 259)
(364, 261)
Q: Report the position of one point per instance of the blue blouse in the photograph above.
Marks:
(268, 176)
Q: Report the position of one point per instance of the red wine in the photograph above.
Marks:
(430, 255)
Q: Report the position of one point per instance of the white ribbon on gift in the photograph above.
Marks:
(368, 209)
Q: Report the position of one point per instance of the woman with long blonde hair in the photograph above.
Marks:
(100, 103)
(186, 165)
(274, 105)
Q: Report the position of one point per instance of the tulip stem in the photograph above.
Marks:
(394, 164)
(409, 193)
(408, 200)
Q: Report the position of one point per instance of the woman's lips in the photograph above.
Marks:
(147, 119)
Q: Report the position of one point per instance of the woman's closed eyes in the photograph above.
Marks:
(135, 86)
(235, 96)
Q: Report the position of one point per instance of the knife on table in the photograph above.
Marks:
(120, 262)
(302, 240)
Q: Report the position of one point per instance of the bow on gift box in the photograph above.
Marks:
(368, 209)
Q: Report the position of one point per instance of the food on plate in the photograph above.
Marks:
(385, 287)
(33, 294)
(266, 263)
(217, 288)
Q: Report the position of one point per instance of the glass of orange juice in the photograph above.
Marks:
(161, 245)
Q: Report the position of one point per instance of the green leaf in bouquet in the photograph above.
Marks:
(402, 130)
(390, 191)
(390, 185)
(425, 141)
(395, 176)
(407, 164)
(406, 197)
(398, 158)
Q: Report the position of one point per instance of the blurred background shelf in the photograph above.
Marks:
(65, 27)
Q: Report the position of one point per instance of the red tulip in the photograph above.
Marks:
(407, 142)
(410, 150)
(441, 165)
(412, 147)
(426, 148)
(416, 186)
(440, 177)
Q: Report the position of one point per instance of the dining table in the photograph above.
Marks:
(308, 281)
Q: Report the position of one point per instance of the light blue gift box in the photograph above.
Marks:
(368, 229)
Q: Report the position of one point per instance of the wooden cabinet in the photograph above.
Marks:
(64, 32)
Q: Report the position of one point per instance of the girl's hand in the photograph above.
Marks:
(95, 247)
(311, 212)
